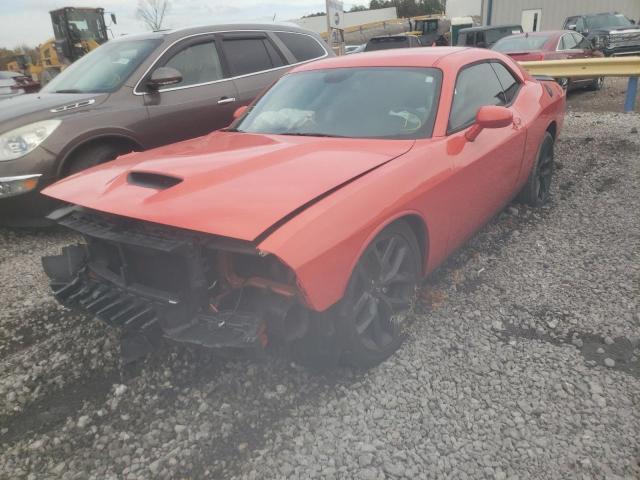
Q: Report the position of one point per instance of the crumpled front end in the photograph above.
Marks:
(155, 282)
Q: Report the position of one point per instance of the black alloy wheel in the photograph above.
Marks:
(537, 191)
(379, 295)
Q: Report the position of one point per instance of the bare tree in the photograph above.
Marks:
(152, 12)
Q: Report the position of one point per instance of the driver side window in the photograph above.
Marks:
(197, 63)
(476, 87)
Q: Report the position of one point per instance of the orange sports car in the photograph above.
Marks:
(309, 221)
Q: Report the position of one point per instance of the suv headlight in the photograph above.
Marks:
(17, 143)
(600, 41)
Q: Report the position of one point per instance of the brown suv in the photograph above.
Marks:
(134, 93)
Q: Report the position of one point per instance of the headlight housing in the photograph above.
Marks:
(20, 141)
(600, 41)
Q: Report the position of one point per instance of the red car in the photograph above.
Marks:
(311, 219)
(558, 45)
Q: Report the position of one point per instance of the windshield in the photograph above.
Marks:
(521, 44)
(103, 70)
(426, 26)
(608, 20)
(386, 43)
(371, 102)
(495, 34)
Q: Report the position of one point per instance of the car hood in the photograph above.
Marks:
(231, 184)
(38, 106)
(633, 29)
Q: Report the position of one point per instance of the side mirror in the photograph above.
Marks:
(239, 112)
(489, 116)
(163, 76)
(572, 27)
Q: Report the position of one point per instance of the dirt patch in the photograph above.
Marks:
(609, 99)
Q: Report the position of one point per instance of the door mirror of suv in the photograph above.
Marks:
(490, 116)
(239, 112)
(572, 27)
(163, 76)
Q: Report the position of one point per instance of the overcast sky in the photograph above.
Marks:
(28, 21)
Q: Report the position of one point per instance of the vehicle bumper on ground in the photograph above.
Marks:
(21, 181)
(623, 51)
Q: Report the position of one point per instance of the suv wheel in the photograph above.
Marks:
(92, 155)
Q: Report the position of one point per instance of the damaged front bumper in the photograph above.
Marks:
(155, 282)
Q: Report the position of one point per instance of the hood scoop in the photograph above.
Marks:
(152, 180)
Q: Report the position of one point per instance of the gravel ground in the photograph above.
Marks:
(609, 99)
(522, 362)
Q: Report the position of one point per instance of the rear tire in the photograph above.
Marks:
(537, 190)
(597, 84)
(564, 83)
(379, 294)
(92, 155)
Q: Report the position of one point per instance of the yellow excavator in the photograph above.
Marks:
(76, 31)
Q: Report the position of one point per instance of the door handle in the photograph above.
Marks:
(224, 100)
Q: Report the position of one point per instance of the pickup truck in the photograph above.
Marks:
(612, 33)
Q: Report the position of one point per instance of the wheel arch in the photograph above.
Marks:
(121, 139)
(552, 128)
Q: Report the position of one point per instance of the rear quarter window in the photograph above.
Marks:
(250, 55)
(301, 46)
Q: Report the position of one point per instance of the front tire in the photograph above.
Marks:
(537, 190)
(92, 155)
(379, 295)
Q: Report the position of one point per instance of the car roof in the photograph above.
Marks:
(598, 14)
(489, 27)
(403, 57)
(399, 35)
(178, 33)
(546, 33)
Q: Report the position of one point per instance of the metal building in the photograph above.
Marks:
(536, 15)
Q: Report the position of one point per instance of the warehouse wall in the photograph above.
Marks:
(463, 8)
(554, 12)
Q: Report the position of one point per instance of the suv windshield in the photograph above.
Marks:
(103, 70)
(371, 102)
(495, 34)
(385, 43)
(608, 20)
(520, 44)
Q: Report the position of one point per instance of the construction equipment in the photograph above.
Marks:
(77, 31)
(431, 29)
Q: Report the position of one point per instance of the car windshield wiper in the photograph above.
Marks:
(310, 134)
(70, 90)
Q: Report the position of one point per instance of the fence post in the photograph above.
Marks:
(632, 92)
